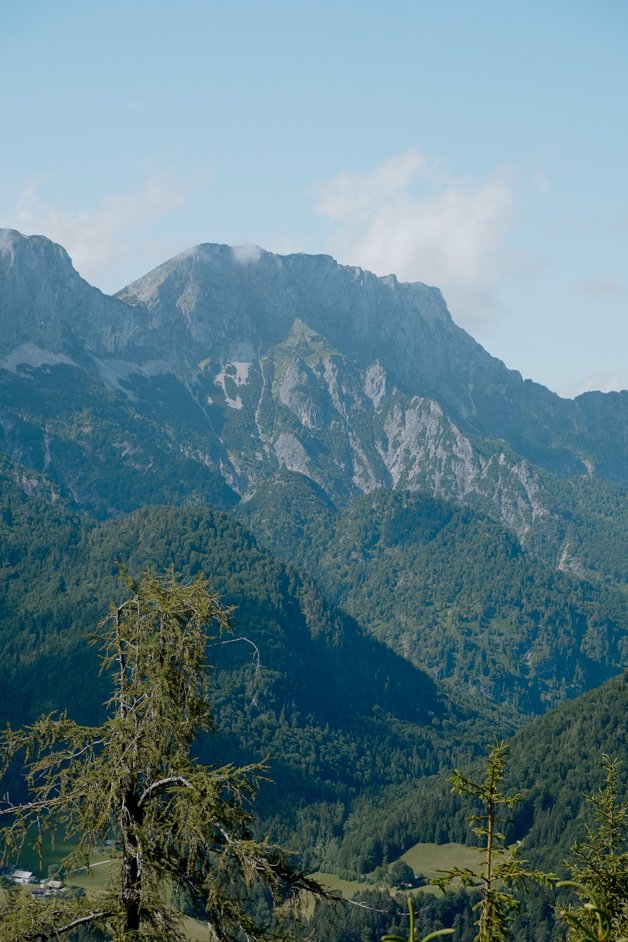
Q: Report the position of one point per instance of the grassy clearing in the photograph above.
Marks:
(346, 888)
(101, 863)
(96, 877)
(195, 931)
(430, 858)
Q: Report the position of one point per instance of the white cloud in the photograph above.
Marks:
(409, 217)
(101, 238)
(604, 288)
(600, 381)
(246, 254)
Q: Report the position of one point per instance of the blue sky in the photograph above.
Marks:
(481, 147)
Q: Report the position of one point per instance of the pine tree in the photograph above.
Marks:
(502, 869)
(412, 933)
(133, 781)
(599, 868)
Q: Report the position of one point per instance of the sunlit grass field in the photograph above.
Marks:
(431, 858)
(428, 859)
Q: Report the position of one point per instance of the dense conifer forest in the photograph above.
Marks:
(352, 769)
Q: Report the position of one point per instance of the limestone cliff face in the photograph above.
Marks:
(216, 299)
(353, 430)
(240, 363)
(45, 303)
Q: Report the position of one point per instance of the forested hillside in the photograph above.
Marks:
(452, 591)
(338, 712)
(554, 761)
(555, 764)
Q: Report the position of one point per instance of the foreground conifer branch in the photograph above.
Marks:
(599, 868)
(412, 932)
(502, 868)
(132, 780)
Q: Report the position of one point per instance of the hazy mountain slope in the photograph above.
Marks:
(554, 761)
(451, 590)
(238, 365)
(338, 712)
(214, 297)
(48, 309)
(101, 452)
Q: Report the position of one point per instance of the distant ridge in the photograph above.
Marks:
(214, 302)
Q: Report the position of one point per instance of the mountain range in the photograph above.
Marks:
(358, 382)
(236, 378)
(426, 548)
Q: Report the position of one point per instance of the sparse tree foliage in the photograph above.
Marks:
(502, 868)
(599, 868)
(412, 932)
(175, 821)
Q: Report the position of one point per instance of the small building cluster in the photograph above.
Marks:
(37, 888)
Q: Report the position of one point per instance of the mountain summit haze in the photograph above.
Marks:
(296, 361)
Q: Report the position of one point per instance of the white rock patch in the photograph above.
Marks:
(29, 354)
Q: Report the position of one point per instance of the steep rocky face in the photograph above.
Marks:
(48, 308)
(212, 299)
(307, 408)
(236, 305)
(240, 363)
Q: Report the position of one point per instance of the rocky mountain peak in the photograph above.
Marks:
(215, 299)
(213, 295)
(27, 253)
(46, 303)
(334, 345)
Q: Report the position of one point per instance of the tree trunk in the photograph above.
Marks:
(131, 890)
